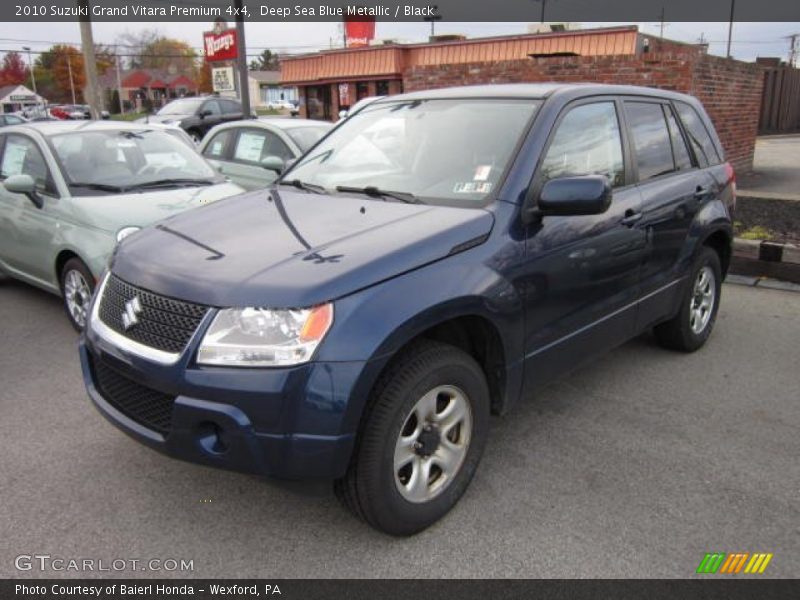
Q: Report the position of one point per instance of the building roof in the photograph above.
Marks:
(20, 90)
(266, 76)
(138, 78)
(390, 61)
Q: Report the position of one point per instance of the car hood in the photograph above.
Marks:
(110, 213)
(291, 249)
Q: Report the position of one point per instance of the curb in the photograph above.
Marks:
(762, 258)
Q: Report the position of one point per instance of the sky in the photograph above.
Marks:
(749, 39)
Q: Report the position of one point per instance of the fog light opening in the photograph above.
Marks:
(212, 438)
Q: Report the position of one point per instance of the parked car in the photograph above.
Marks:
(362, 321)
(196, 115)
(10, 119)
(79, 112)
(253, 153)
(280, 105)
(70, 191)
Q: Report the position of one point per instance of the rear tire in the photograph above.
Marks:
(692, 326)
(77, 287)
(421, 440)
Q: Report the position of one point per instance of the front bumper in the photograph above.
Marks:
(287, 423)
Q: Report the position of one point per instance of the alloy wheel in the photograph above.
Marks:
(77, 295)
(432, 444)
(705, 289)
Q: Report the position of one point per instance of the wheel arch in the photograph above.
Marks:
(721, 241)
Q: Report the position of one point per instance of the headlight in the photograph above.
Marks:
(125, 232)
(260, 337)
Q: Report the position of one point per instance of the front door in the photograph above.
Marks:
(582, 280)
(27, 232)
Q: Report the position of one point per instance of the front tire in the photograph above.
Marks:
(692, 326)
(421, 440)
(77, 287)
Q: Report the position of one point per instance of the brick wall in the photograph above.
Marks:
(730, 90)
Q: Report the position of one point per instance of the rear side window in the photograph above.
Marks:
(699, 137)
(679, 150)
(587, 142)
(651, 142)
(229, 107)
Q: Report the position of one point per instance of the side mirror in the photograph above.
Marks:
(566, 196)
(24, 184)
(273, 163)
(203, 113)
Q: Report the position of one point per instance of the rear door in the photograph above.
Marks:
(672, 190)
(231, 110)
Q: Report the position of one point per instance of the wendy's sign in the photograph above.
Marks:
(359, 30)
(220, 45)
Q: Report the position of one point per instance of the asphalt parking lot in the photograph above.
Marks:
(635, 466)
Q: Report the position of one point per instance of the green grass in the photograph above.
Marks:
(756, 232)
(263, 111)
(131, 116)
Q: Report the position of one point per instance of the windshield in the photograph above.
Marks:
(125, 159)
(451, 150)
(184, 106)
(305, 137)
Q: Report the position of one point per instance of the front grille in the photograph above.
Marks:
(146, 406)
(163, 323)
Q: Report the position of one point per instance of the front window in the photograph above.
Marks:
(184, 106)
(455, 151)
(115, 161)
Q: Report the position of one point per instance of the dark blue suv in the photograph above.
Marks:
(433, 260)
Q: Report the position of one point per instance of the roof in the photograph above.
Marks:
(390, 61)
(533, 90)
(266, 76)
(291, 123)
(49, 128)
(137, 78)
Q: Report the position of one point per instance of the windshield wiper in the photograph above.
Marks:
(102, 187)
(306, 187)
(375, 192)
(180, 182)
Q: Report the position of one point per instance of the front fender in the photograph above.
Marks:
(373, 324)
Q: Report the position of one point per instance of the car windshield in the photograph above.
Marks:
(123, 159)
(452, 150)
(305, 137)
(184, 106)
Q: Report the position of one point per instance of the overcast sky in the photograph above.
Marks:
(749, 39)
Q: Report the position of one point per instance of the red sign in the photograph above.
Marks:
(220, 46)
(360, 30)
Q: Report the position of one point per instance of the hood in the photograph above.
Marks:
(140, 209)
(291, 249)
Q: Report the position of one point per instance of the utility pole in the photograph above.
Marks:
(71, 81)
(241, 61)
(793, 49)
(433, 19)
(33, 75)
(95, 99)
(730, 28)
(119, 89)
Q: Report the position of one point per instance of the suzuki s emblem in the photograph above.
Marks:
(130, 316)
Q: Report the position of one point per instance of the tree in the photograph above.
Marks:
(53, 73)
(204, 83)
(148, 49)
(266, 61)
(13, 71)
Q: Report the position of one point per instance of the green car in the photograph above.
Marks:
(72, 189)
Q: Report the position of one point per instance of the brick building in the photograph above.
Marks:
(730, 90)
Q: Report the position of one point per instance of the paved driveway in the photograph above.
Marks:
(632, 467)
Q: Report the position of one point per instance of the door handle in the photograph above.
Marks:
(701, 192)
(630, 218)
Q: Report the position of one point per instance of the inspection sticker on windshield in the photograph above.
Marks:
(482, 173)
(472, 187)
